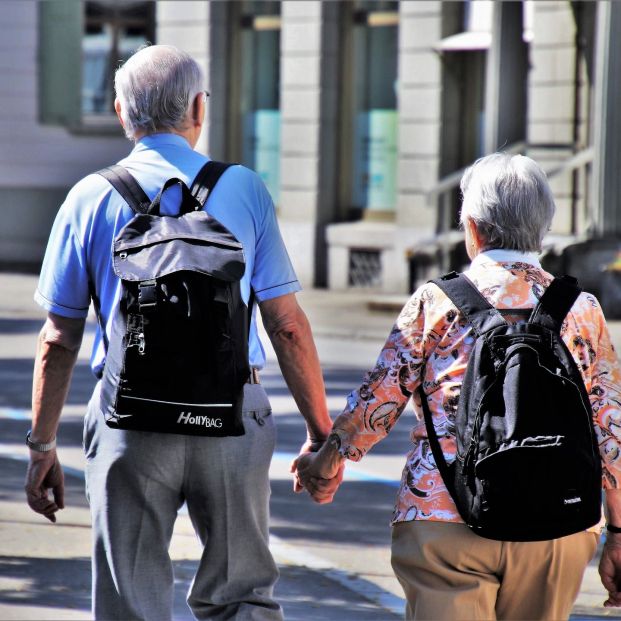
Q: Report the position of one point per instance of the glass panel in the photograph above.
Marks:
(112, 33)
(260, 92)
(374, 58)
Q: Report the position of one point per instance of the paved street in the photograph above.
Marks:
(334, 559)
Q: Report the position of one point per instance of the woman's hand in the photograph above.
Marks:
(320, 473)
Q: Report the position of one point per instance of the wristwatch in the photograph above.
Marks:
(41, 447)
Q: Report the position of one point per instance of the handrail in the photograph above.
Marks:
(577, 160)
(440, 195)
(452, 180)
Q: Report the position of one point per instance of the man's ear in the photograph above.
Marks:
(198, 109)
(117, 109)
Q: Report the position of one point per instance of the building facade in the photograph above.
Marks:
(359, 115)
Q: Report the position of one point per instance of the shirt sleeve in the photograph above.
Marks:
(374, 408)
(63, 283)
(605, 397)
(273, 273)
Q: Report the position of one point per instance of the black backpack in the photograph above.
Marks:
(527, 466)
(177, 359)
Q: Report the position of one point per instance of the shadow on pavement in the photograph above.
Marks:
(53, 583)
(360, 513)
(12, 487)
(304, 594)
(16, 383)
(21, 326)
(70, 435)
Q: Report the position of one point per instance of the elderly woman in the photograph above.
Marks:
(447, 571)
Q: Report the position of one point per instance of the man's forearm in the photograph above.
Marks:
(299, 362)
(52, 376)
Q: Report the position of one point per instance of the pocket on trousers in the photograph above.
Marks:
(261, 417)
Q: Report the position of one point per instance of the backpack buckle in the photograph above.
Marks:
(147, 295)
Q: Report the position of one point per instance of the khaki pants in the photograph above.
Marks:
(449, 573)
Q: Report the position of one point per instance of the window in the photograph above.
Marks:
(112, 33)
(370, 107)
(255, 126)
(80, 46)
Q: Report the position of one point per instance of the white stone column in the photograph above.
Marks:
(308, 129)
(607, 120)
(185, 24)
(551, 93)
(420, 109)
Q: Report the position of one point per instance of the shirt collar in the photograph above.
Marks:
(500, 255)
(154, 141)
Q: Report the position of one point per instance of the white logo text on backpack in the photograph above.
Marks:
(187, 419)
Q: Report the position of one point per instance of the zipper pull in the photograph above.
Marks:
(141, 343)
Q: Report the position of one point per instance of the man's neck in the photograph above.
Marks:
(186, 135)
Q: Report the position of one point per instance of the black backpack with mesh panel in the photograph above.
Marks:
(177, 359)
(527, 466)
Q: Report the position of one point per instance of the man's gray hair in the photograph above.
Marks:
(510, 201)
(156, 87)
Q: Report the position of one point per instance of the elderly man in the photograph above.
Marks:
(136, 481)
(447, 571)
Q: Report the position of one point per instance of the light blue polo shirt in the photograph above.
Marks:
(93, 213)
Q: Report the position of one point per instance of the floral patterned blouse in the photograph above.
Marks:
(430, 344)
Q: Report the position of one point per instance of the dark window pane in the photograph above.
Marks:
(112, 33)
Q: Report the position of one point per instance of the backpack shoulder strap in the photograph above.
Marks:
(556, 302)
(479, 313)
(207, 178)
(434, 443)
(125, 184)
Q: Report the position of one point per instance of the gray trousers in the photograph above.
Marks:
(137, 481)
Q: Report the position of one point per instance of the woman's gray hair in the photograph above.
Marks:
(156, 87)
(509, 199)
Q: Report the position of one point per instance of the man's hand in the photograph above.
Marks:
(45, 473)
(312, 445)
(320, 479)
(610, 569)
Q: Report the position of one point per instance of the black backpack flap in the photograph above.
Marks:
(151, 246)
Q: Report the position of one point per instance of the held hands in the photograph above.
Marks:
(44, 473)
(318, 469)
(610, 569)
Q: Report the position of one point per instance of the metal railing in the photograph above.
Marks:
(441, 196)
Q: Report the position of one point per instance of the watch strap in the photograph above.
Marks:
(41, 447)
